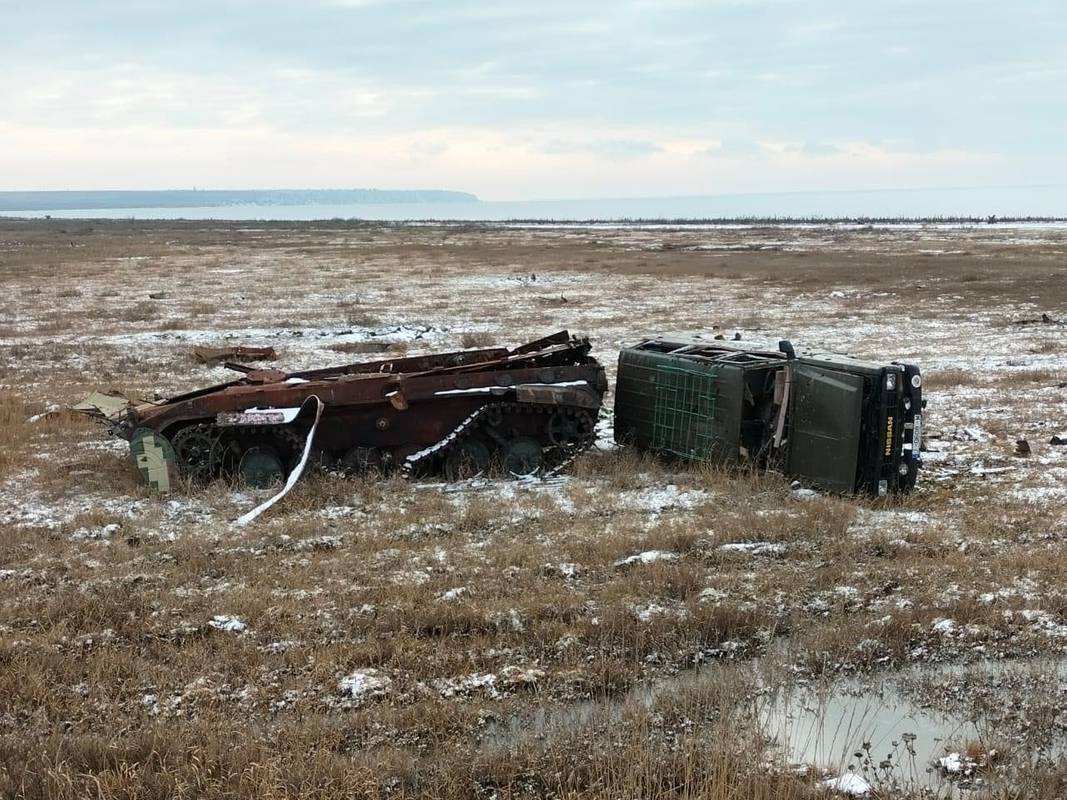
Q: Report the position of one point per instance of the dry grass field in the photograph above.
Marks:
(383, 638)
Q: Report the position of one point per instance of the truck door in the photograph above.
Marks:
(825, 433)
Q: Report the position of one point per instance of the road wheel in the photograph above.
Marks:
(523, 457)
(467, 459)
(260, 468)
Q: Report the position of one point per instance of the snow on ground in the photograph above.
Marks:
(363, 685)
(849, 784)
(647, 557)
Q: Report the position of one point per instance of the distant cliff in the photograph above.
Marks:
(214, 198)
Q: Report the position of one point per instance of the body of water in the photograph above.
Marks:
(1046, 201)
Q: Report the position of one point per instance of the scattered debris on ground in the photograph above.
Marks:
(217, 355)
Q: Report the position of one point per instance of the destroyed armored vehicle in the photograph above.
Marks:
(829, 420)
(526, 411)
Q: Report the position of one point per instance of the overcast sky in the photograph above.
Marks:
(515, 100)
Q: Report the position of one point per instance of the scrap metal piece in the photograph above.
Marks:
(294, 476)
(102, 405)
(213, 355)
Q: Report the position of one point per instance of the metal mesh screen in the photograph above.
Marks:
(684, 415)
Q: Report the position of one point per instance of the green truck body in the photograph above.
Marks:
(832, 421)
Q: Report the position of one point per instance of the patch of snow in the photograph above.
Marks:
(512, 619)
(521, 676)
(106, 532)
(850, 783)
(452, 594)
(324, 542)
(340, 512)
(564, 569)
(712, 595)
(224, 622)
(414, 577)
(1040, 495)
(363, 685)
(647, 557)
(978, 468)
(972, 434)
(656, 500)
(451, 687)
(649, 612)
(754, 548)
(1043, 622)
(945, 626)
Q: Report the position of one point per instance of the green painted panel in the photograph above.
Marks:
(678, 406)
(153, 456)
(824, 439)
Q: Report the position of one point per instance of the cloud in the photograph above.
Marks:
(820, 149)
(737, 147)
(610, 149)
(679, 94)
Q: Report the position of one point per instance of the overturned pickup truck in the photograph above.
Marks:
(829, 420)
(524, 412)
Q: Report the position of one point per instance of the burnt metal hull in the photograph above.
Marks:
(496, 405)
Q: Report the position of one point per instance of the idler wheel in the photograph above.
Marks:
(469, 458)
(523, 457)
(568, 428)
(260, 468)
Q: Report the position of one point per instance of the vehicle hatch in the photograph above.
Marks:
(825, 433)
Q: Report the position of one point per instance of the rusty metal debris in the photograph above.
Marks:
(215, 355)
(522, 412)
(1044, 319)
(102, 405)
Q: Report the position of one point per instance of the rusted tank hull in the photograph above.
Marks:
(523, 411)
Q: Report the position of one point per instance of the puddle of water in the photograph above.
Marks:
(832, 724)
(851, 725)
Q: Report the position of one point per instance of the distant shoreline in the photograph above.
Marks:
(103, 200)
(858, 222)
(1032, 205)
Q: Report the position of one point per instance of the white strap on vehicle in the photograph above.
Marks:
(783, 409)
(294, 476)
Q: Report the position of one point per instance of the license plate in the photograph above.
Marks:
(917, 435)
